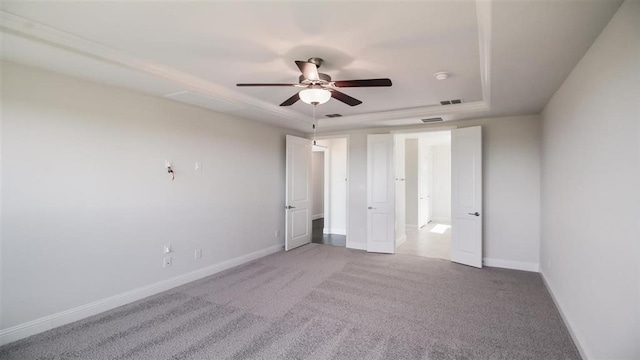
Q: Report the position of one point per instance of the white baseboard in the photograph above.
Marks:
(68, 316)
(334, 231)
(316, 217)
(356, 246)
(576, 340)
(508, 264)
(401, 240)
(411, 226)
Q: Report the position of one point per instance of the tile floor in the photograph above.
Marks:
(433, 241)
(327, 239)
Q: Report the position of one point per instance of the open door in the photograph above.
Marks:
(298, 193)
(466, 199)
(380, 194)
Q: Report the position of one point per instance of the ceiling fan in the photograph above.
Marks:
(318, 88)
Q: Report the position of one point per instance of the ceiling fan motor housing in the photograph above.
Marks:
(324, 78)
(319, 88)
(316, 61)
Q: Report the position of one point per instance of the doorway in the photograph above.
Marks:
(423, 190)
(329, 189)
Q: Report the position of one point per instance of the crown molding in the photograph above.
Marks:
(52, 36)
(403, 114)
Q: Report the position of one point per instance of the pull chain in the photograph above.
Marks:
(314, 124)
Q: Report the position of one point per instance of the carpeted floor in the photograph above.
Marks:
(325, 302)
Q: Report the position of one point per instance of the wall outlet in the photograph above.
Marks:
(277, 233)
(198, 166)
(166, 262)
(197, 254)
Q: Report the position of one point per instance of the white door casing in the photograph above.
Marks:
(298, 193)
(466, 196)
(380, 194)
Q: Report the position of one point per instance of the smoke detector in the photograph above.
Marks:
(442, 75)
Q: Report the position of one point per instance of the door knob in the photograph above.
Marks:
(475, 213)
(289, 207)
(371, 208)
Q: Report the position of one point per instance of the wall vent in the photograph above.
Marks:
(449, 102)
(430, 120)
(333, 115)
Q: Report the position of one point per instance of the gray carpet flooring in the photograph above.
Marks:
(325, 302)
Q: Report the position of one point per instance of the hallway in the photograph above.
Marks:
(318, 237)
(433, 241)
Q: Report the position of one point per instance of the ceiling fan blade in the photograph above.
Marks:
(267, 84)
(345, 98)
(292, 100)
(309, 70)
(363, 83)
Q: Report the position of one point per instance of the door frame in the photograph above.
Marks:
(326, 183)
(395, 134)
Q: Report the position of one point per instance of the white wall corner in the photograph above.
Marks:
(49, 322)
(576, 339)
(509, 264)
(401, 240)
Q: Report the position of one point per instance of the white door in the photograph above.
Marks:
(380, 194)
(466, 199)
(298, 193)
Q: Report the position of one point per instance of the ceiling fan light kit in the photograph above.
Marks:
(319, 88)
(315, 95)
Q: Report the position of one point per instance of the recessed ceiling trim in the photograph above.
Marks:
(40, 32)
(422, 112)
(196, 85)
(483, 11)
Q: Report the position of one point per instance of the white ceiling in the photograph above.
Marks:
(505, 57)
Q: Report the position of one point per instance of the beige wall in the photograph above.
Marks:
(411, 182)
(87, 204)
(591, 193)
(441, 197)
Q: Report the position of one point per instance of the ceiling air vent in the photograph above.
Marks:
(333, 115)
(449, 102)
(430, 120)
